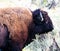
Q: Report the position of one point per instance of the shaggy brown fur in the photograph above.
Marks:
(17, 20)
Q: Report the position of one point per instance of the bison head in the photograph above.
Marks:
(42, 22)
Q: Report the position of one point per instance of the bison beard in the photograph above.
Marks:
(21, 25)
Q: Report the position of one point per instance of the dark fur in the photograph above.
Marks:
(42, 26)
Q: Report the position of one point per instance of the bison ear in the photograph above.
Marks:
(37, 16)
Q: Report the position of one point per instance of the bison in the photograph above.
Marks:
(18, 27)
